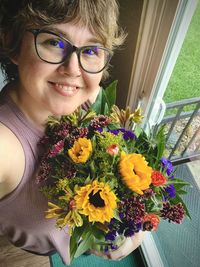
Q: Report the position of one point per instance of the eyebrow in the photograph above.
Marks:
(55, 30)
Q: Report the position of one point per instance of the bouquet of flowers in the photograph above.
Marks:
(105, 178)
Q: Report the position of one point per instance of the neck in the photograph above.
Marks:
(36, 115)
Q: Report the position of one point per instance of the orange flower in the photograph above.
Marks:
(157, 178)
(153, 219)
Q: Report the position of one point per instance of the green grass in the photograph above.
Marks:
(185, 79)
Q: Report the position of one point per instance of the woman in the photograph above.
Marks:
(54, 55)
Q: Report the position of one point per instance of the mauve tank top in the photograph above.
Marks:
(22, 211)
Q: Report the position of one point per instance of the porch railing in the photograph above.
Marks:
(183, 131)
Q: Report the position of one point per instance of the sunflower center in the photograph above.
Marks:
(96, 200)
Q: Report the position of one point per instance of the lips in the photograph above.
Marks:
(65, 89)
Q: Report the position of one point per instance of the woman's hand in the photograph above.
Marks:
(129, 245)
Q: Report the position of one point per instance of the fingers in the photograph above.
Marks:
(130, 244)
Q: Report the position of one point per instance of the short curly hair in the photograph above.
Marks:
(100, 16)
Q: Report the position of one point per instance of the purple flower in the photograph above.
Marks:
(167, 166)
(127, 134)
(171, 191)
(115, 132)
(110, 236)
(129, 232)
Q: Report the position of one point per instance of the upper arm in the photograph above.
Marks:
(12, 159)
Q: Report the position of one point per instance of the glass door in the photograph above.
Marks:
(176, 102)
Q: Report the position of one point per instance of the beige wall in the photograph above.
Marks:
(130, 15)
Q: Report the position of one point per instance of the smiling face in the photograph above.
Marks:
(54, 89)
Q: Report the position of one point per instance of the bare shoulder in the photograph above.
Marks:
(12, 160)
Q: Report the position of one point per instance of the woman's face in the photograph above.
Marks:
(45, 88)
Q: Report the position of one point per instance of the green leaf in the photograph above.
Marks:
(85, 244)
(110, 94)
(105, 99)
(97, 233)
(74, 240)
(98, 103)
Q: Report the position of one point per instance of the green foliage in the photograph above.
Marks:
(105, 100)
(185, 79)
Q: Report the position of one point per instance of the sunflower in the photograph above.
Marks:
(97, 201)
(81, 150)
(135, 172)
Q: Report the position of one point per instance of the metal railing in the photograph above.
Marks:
(183, 141)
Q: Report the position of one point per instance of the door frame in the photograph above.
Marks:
(163, 27)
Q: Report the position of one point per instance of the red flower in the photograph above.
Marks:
(112, 150)
(151, 221)
(56, 149)
(157, 178)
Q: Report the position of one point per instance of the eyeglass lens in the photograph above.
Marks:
(54, 49)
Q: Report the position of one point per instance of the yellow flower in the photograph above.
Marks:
(135, 172)
(97, 201)
(72, 219)
(53, 211)
(81, 150)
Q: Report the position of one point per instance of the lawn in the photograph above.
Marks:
(185, 79)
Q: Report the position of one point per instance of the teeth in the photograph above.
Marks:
(65, 88)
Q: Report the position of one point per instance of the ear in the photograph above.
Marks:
(5, 39)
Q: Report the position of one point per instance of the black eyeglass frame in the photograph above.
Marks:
(75, 49)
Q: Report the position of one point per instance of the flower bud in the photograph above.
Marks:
(112, 150)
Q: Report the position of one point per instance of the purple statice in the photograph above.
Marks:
(172, 213)
(170, 191)
(167, 166)
(100, 121)
(127, 134)
(115, 131)
(111, 235)
(131, 228)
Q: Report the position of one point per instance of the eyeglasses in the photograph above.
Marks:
(54, 49)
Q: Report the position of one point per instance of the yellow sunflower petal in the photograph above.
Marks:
(96, 201)
(135, 172)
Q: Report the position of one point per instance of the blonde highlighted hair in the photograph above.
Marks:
(100, 16)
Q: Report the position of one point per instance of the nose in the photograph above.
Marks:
(70, 66)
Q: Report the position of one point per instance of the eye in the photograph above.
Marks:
(55, 43)
(91, 51)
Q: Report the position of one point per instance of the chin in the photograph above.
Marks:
(64, 111)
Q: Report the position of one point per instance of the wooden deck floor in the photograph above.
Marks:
(11, 256)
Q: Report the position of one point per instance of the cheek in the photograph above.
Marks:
(92, 80)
